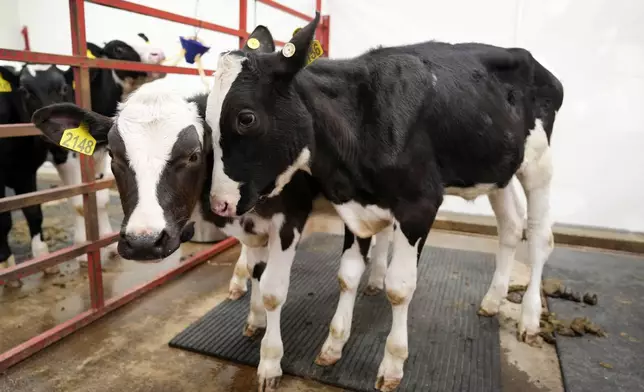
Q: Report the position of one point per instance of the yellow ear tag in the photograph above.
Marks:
(79, 140)
(89, 54)
(253, 43)
(5, 87)
(315, 51)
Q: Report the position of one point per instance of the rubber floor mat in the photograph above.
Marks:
(450, 347)
(613, 363)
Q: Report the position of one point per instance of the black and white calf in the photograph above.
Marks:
(386, 135)
(20, 157)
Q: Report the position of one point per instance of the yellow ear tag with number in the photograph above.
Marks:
(5, 87)
(79, 140)
(315, 51)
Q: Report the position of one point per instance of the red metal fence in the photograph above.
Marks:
(88, 188)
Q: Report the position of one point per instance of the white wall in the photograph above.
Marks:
(595, 47)
(49, 26)
(10, 37)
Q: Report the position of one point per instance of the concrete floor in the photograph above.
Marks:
(128, 349)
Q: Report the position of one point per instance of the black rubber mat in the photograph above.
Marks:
(614, 363)
(450, 347)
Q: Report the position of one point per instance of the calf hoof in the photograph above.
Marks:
(489, 306)
(372, 290)
(532, 340)
(387, 384)
(252, 331)
(269, 384)
(52, 270)
(14, 284)
(235, 294)
(486, 313)
(326, 359)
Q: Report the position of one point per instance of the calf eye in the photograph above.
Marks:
(246, 118)
(63, 90)
(194, 157)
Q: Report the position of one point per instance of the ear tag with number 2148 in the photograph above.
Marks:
(79, 140)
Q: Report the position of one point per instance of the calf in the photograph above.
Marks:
(386, 135)
(20, 157)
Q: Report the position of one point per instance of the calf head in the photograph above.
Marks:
(119, 50)
(40, 88)
(149, 53)
(261, 128)
(156, 142)
(159, 146)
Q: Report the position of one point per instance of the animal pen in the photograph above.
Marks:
(81, 65)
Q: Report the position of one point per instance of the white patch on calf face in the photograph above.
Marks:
(149, 122)
(301, 163)
(223, 187)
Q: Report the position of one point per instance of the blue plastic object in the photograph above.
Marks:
(192, 48)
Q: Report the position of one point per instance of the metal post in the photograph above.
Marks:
(84, 100)
(319, 35)
(326, 28)
(243, 20)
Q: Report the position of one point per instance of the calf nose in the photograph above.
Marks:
(144, 246)
(156, 57)
(220, 207)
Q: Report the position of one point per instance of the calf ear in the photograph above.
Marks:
(54, 119)
(10, 77)
(260, 40)
(294, 54)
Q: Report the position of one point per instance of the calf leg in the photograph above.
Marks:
(239, 282)
(256, 258)
(510, 227)
(378, 261)
(283, 239)
(535, 176)
(414, 221)
(352, 266)
(6, 257)
(33, 215)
